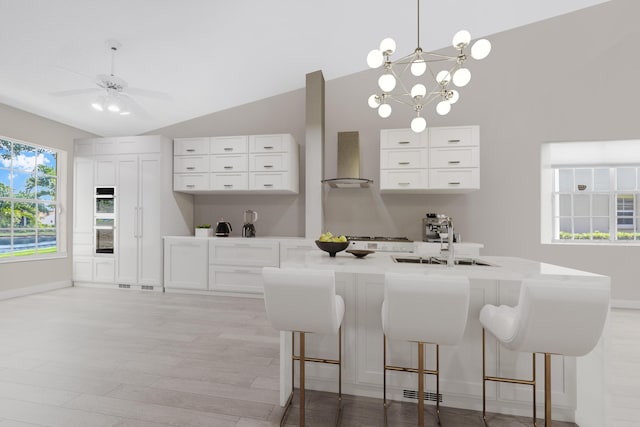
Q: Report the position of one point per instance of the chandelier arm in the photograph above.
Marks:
(400, 100)
(418, 33)
(439, 55)
(404, 88)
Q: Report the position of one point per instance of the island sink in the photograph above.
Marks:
(435, 260)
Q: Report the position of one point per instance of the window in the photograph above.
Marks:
(590, 192)
(30, 225)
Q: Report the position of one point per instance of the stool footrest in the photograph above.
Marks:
(414, 370)
(510, 380)
(317, 360)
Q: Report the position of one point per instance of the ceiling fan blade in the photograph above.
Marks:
(149, 93)
(73, 92)
(135, 108)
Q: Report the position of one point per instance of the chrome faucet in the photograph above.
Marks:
(449, 248)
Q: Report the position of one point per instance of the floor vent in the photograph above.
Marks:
(146, 287)
(413, 394)
(123, 286)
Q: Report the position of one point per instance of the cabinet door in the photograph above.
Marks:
(105, 170)
(190, 182)
(103, 270)
(191, 164)
(454, 178)
(458, 136)
(148, 228)
(269, 143)
(126, 245)
(257, 253)
(82, 269)
(236, 279)
(83, 195)
(468, 157)
(186, 263)
(402, 138)
(403, 159)
(190, 146)
(409, 179)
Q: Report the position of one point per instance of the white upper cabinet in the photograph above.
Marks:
(439, 160)
(237, 164)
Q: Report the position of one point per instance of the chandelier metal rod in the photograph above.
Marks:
(418, 35)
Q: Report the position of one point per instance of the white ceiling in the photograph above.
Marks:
(210, 55)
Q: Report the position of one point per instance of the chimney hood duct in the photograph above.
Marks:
(348, 163)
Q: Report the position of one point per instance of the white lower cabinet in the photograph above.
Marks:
(186, 263)
(235, 264)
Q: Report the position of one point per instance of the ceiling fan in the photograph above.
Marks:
(115, 96)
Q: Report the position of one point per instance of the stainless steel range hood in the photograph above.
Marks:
(348, 163)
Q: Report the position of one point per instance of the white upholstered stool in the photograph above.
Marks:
(304, 301)
(556, 316)
(423, 309)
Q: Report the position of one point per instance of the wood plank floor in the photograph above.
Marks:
(95, 357)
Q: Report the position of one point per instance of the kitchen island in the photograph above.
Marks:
(577, 383)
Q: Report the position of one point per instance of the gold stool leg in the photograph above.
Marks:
(547, 390)
(339, 414)
(301, 379)
(420, 384)
(484, 381)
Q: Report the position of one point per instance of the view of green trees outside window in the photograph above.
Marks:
(28, 184)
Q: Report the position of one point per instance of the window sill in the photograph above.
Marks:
(9, 260)
(592, 243)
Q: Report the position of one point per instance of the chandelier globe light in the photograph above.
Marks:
(394, 83)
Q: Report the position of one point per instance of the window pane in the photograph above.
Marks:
(5, 168)
(565, 205)
(5, 242)
(565, 228)
(46, 215)
(46, 188)
(581, 205)
(47, 240)
(5, 214)
(24, 242)
(47, 162)
(626, 178)
(601, 228)
(24, 215)
(582, 228)
(601, 180)
(565, 180)
(5, 151)
(584, 180)
(600, 205)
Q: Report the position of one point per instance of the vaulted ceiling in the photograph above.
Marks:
(195, 57)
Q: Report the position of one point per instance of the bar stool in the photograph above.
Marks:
(553, 316)
(305, 301)
(424, 309)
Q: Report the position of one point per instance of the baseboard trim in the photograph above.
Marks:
(625, 303)
(35, 289)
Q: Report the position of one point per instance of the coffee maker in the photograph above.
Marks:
(249, 229)
(433, 226)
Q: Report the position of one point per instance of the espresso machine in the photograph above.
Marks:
(434, 227)
(249, 228)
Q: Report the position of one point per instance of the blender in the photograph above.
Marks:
(249, 229)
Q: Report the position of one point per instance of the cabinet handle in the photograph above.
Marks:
(228, 185)
(454, 162)
(404, 163)
(228, 167)
(453, 141)
(267, 185)
(454, 182)
(135, 221)
(404, 183)
(228, 148)
(403, 142)
(141, 223)
(190, 168)
(268, 147)
(190, 185)
(190, 150)
(267, 166)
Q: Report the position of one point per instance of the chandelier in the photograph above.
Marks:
(420, 63)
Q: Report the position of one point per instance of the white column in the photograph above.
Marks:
(314, 155)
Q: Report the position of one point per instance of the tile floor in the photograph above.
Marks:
(96, 357)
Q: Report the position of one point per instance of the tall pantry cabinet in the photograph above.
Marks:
(140, 169)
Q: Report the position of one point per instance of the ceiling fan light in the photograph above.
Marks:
(125, 113)
(97, 106)
(113, 107)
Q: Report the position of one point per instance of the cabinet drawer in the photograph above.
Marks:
(404, 179)
(187, 146)
(268, 181)
(190, 164)
(403, 159)
(270, 143)
(462, 136)
(454, 157)
(236, 279)
(229, 163)
(454, 178)
(402, 138)
(190, 182)
(230, 181)
(229, 144)
(262, 253)
(269, 162)
(104, 270)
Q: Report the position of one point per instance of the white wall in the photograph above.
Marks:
(568, 78)
(38, 130)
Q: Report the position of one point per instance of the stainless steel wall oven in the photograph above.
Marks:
(104, 220)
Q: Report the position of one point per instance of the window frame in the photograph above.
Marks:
(59, 204)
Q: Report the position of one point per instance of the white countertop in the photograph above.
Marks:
(505, 268)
